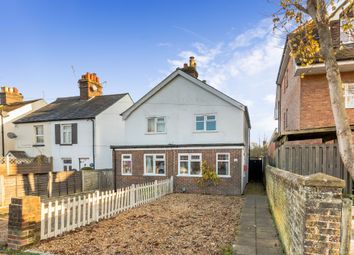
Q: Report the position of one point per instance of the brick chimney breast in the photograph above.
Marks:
(10, 95)
(90, 86)
(191, 69)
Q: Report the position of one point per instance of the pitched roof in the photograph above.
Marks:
(195, 81)
(72, 108)
(14, 106)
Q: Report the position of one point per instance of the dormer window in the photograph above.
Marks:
(156, 125)
(346, 35)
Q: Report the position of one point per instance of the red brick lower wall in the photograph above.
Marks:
(227, 186)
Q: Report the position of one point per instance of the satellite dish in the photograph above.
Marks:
(11, 135)
(94, 88)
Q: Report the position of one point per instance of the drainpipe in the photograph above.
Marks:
(93, 144)
(114, 157)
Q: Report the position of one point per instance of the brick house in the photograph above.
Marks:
(302, 106)
(176, 126)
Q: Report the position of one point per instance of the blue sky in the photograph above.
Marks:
(133, 45)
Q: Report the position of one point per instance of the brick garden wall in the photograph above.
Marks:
(307, 211)
(227, 186)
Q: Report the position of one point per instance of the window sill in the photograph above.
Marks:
(224, 176)
(156, 133)
(205, 132)
(66, 144)
(38, 145)
(154, 175)
(126, 174)
(186, 175)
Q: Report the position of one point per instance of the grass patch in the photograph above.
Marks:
(227, 250)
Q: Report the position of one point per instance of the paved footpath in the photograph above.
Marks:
(257, 234)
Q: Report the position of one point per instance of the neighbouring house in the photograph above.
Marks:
(12, 108)
(176, 126)
(76, 131)
(303, 107)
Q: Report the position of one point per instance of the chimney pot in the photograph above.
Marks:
(191, 69)
(10, 95)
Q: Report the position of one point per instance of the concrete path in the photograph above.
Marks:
(257, 234)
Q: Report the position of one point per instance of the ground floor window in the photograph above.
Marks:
(190, 164)
(223, 164)
(154, 164)
(67, 164)
(126, 164)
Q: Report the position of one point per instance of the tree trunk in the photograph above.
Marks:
(318, 13)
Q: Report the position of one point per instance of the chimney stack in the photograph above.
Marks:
(191, 69)
(10, 95)
(90, 86)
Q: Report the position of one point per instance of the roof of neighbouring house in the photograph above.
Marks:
(72, 108)
(195, 81)
(14, 106)
(19, 154)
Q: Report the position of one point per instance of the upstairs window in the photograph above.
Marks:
(349, 95)
(156, 125)
(66, 134)
(205, 123)
(39, 134)
(346, 31)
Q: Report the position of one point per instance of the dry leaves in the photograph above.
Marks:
(174, 224)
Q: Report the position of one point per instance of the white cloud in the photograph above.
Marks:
(270, 98)
(244, 68)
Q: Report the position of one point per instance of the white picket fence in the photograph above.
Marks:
(60, 216)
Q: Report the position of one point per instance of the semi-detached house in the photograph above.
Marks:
(76, 131)
(179, 124)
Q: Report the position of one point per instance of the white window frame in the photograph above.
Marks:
(346, 95)
(124, 160)
(205, 118)
(154, 164)
(62, 134)
(349, 36)
(155, 118)
(69, 165)
(217, 164)
(36, 135)
(189, 164)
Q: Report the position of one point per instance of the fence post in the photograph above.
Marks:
(155, 189)
(132, 195)
(97, 205)
(171, 185)
(50, 184)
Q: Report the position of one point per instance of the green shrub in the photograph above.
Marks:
(209, 177)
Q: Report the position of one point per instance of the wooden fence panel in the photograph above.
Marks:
(310, 159)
